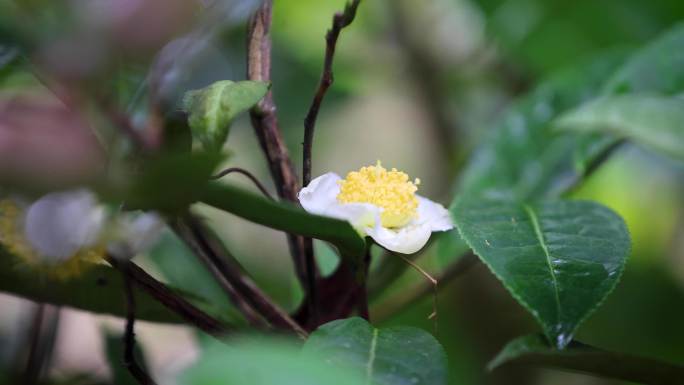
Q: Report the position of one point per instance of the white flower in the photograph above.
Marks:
(60, 224)
(135, 234)
(378, 203)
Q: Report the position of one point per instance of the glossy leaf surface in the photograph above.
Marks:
(392, 356)
(559, 259)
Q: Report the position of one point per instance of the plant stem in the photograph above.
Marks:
(129, 335)
(246, 173)
(229, 269)
(340, 20)
(42, 334)
(172, 301)
(206, 257)
(265, 123)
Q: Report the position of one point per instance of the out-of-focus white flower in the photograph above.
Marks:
(60, 224)
(66, 232)
(135, 234)
(378, 203)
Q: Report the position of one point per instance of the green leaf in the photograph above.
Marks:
(534, 350)
(655, 121)
(523, 158)
(212, 109)
(657, 67)
(167, 183)
(559, 259)
(392, 356)
(98, 290)
(264, 361)
(285, 217)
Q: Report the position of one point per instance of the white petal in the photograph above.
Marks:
(59, 224)
(360, 215)
(433, 214)
(320, 197)
(320, 194)
(136, 235)
(406, 240)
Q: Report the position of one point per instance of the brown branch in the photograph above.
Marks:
(206, 257)
(42, 334)
(265, 123)
(172, 301)
(362, 290)
(126, 126)
(402, 300)
(340, 20)
(129, 335)
(196, 236)
(246, 173)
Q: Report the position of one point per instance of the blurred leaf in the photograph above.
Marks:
(523, 158)
(115, 354)
(657, 67)
(450, 247)
(326, 258)
(534, 350)
(182, 269)
(264, 361)
(168, 183)
(559, 259)
(99, 290)
(393, 356)
(212, 109)
(542, 36)
(655, 121)
(285, 217)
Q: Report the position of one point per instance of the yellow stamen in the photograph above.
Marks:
(391, 190)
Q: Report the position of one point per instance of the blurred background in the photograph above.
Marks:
(417, 85)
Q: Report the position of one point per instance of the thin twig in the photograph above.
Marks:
(340, 20)
(362, 296)
(125, 125)
(172, 301)
(265, 123)
(33, 365)
(594, 165)
(432, 280)
(129, 335)
(204, 254)
(227, 266)
(246, 173)
(388, 269)
(41, 341)
(410, 296)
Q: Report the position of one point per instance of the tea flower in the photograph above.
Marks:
(64, 233)
(378, 203)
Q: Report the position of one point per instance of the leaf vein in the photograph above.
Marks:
(540, 237)
(371, 357)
